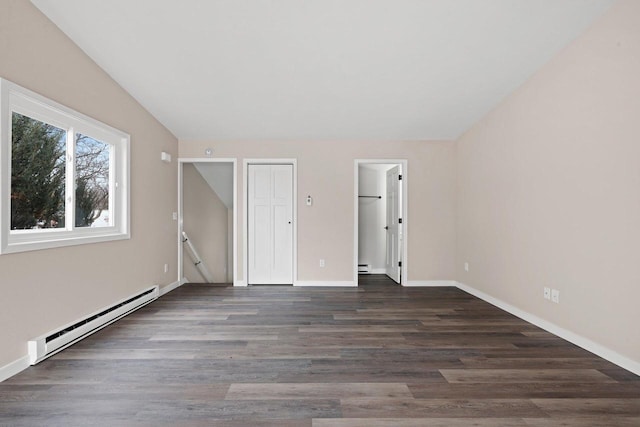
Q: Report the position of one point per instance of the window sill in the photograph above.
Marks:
(57, 241)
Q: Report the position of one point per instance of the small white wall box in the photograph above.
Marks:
(165, 157)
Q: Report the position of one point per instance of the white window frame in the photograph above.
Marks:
(14, 98)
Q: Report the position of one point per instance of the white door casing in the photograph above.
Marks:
(234, 223)
(270, 224)
(404, 212)
(394, 226)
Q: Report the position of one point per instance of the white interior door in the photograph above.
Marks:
(394, 224)
(270, 228)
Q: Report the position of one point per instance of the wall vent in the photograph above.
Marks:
(364, 268)
(51, 343)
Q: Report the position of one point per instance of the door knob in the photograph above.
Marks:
(386, 227)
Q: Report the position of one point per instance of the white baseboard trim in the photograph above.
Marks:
(240, 283)
(580, 341)
(410, 283)
(172, 286)
(15, 367)
(326, 283)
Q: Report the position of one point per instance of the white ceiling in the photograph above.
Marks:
(385, 70)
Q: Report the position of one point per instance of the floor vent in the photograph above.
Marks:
(51, 343)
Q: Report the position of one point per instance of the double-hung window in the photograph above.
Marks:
(64, 176)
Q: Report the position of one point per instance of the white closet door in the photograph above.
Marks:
(270, 228)
(394, 226)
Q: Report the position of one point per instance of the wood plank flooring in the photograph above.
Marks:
(378, 355)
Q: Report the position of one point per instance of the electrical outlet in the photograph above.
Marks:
(466, 266)
(321, 263)
(555, 296)
(175, 216)
(166, 268)
(547, 293)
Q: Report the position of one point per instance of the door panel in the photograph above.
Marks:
(261, 182)
(270, 212)
(394, 228)
(261, 245)
(282, 183)
(282, 248)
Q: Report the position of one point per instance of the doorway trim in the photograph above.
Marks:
(181, 162)
(245, 218)
(405, 213)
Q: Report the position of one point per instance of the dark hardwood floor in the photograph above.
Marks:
(377, 355)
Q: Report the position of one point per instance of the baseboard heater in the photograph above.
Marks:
(51, 343)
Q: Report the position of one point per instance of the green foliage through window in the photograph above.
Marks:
(37, 174)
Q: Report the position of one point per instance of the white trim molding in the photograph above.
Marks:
(429, 283)
(591, 346)
(404, 250)
(13, 368)
(181, 162)
(15, 99)
(326, 283)
(245, 229)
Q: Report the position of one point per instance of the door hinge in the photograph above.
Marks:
(399, 263)
(399, 220)
(399, 177)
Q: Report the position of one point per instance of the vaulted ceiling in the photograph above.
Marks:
(302, 70)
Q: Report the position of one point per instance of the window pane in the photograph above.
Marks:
(92, 182)
(37, 174)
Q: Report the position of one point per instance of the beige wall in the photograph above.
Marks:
(549, 189)
(205, 220)
(42, 290)
(326, 230)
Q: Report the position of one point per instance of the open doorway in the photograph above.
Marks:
(207, 227)
(380, 218)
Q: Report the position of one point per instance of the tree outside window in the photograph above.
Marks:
(38, 174)
(92, 179)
